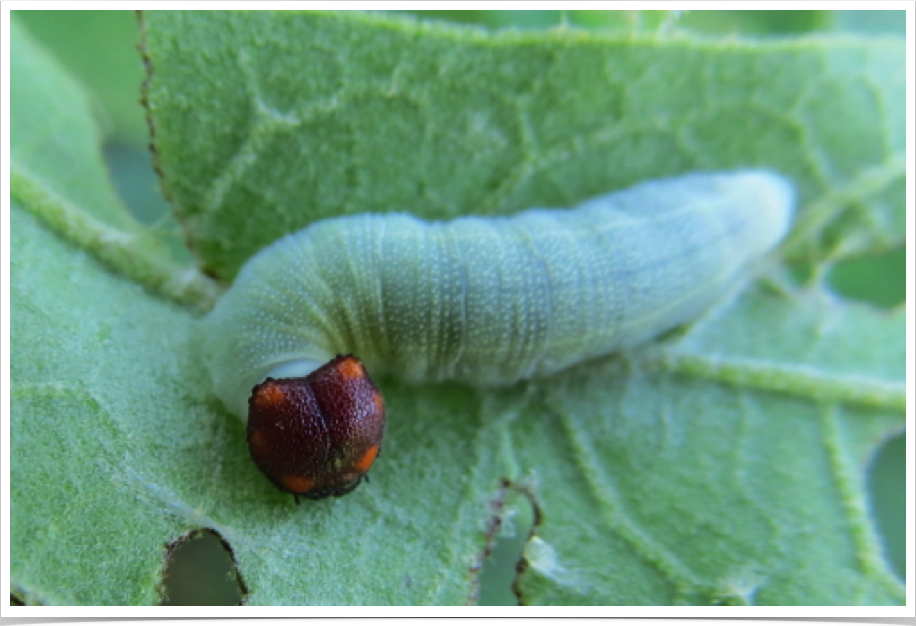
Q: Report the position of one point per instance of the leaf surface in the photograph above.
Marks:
(724, 464)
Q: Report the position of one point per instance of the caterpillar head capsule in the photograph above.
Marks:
(317, 436)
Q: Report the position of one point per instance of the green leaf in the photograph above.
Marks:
(57, 173)
(528, 119)
(109, 71)
(632, 21)
(54, 144)
(103, 420)
(724, 464)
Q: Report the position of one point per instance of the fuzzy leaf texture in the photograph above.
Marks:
(722, 464)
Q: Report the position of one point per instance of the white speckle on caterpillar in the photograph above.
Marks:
(490, 301)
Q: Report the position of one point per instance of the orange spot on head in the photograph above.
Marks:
(365, 462)
(269, 395)
(256, 440)
(350, 368)
(378, 402)
(297, 484)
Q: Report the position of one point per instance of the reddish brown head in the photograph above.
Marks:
(317, 436)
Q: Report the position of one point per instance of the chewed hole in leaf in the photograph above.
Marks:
(879, 279)
(510, 532)
(201, 571)
(887, 487)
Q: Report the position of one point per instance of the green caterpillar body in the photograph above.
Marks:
(490, 301)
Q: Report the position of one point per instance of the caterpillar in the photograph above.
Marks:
(491, 301)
